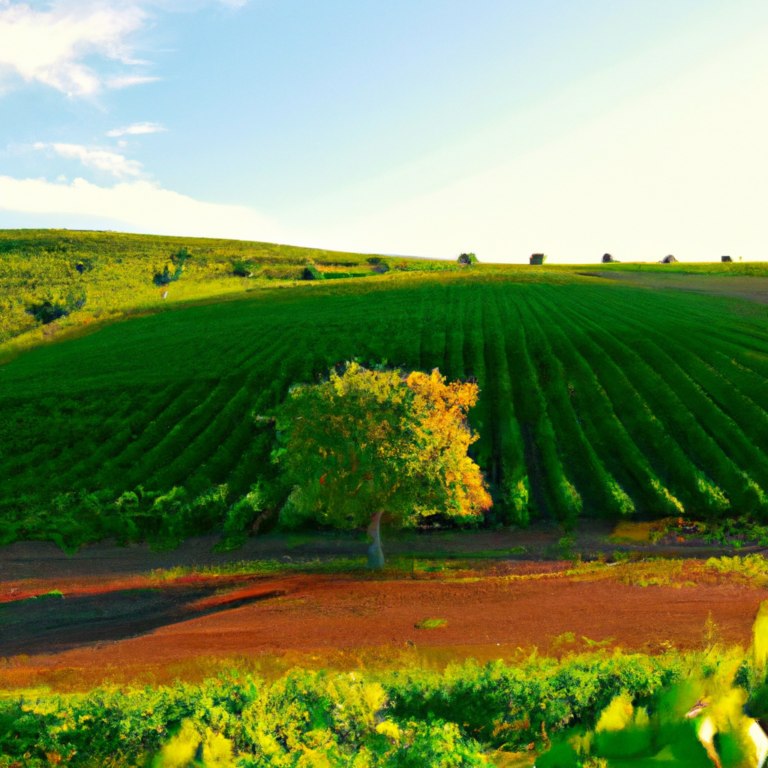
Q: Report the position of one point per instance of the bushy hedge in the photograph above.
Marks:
(414, 718)
(163, 519)
(304, 719)
(514, 706)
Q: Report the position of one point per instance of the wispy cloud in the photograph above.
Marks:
(140, 205)
(101, 159)
(136, 128)
(48, 46)
(126, 81)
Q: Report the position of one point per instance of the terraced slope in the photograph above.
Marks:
(597, 398)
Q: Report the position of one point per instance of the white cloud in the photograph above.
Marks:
(101, 159)
(126, 81)
(48, 46)
(136, 128)
(139, 206)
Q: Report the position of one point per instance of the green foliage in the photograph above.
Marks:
(242, 268)
(366, 441)
(241, 517)
(598, 400)
(431, 623)
(733, 531)
(302, 720)
(576, 712)
(509, 706)
(164, 519)
(311, 272)
(516, 494)
(49, 309)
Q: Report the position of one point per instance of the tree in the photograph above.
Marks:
(467, 259)
(369, 442)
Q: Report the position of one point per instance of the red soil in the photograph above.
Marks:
(335, 612)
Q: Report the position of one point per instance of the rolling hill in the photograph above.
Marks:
(598, 398)
(58, 280)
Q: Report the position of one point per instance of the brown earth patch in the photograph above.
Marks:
(346, 613)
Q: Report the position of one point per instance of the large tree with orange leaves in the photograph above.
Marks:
(368, 442)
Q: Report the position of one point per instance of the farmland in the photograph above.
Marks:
(448, 664)
(613, 413)
(69, 279)
(598, 399)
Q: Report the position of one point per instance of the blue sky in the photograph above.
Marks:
(423, 128)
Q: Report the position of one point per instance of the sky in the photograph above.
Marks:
(411, 127)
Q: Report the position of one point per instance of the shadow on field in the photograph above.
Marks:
(51, 623)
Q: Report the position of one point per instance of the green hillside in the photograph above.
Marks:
(56, 284)
(598, 398)
(54, 280)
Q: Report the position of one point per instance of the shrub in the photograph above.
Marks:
(404, 719)
(47, 310)
(240, 517)
(242, 268)
(311, 272)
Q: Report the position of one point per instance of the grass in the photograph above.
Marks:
(431, 624)
(596, 399)
(90, 277)
(734, 269)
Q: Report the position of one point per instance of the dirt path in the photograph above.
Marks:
(332, 612)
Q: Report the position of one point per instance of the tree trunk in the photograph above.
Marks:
(375, 552)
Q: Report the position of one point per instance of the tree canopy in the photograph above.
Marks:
(371, 441)
(467, 258)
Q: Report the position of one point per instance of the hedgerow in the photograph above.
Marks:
(405, 718)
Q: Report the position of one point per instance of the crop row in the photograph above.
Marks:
(595, 400)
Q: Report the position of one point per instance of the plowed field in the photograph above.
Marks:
(488, 617)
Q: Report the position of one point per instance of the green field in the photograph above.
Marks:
(598, 398)
(96, 277)
(102, 275)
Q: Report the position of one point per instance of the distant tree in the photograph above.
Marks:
(369, 442)
(467, 258)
